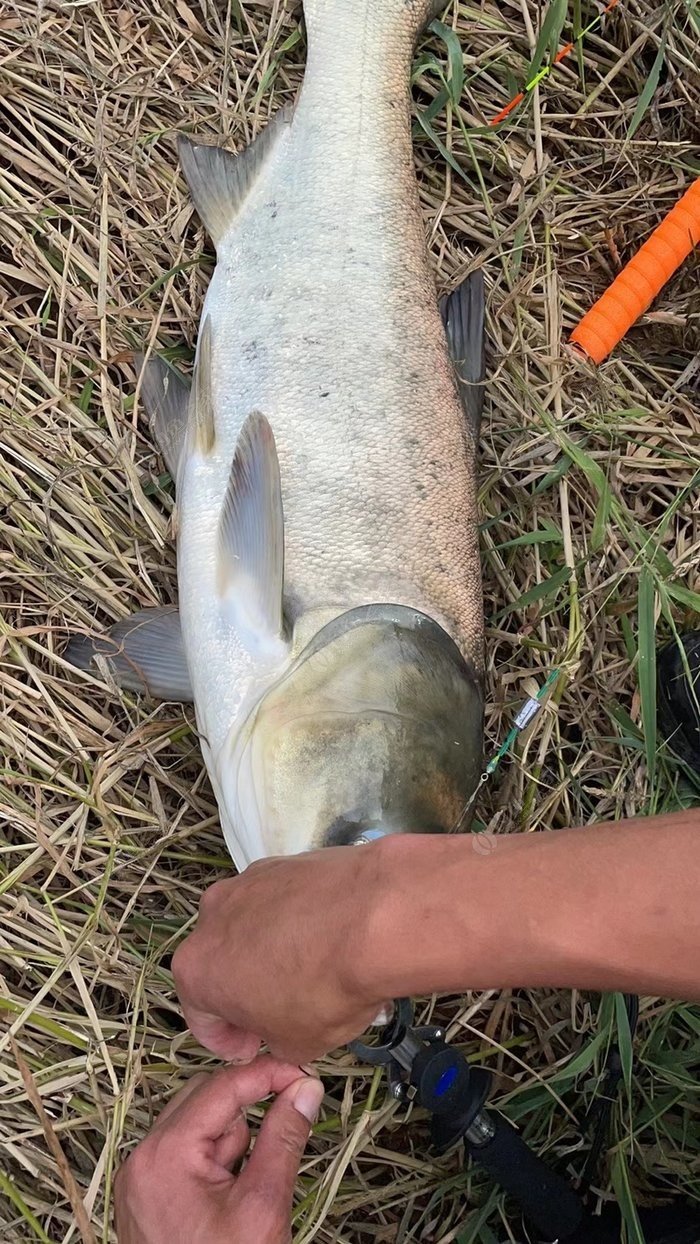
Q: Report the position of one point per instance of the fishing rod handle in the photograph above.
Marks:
(547, 1200)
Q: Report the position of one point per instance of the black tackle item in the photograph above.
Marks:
(678, 697)
(597, 1121)
(422, 1068)
(670, 1224)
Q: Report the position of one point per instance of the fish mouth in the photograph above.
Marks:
(347, 833)
(373, 834)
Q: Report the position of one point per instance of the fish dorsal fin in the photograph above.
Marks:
(165, 395)
(463, 317)
(202, 404)
(220, 181)
(251, 532)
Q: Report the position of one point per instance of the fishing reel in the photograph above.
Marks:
(423, 1069)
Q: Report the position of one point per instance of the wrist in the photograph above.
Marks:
(411, 925)
(445, 916)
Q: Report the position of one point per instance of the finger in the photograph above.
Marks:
(274, 1162)
(225, 1040)
(308, 1048)
(209, 1110)
(233, 1144)
(179, 1099)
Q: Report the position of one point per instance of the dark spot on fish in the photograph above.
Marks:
(326, 393)
(250, 351)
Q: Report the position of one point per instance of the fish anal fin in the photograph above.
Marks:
(165, 395)
(463, 316)
(251, 532)
(143, 653)
(220, 181)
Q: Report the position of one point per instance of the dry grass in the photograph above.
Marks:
(110, 830)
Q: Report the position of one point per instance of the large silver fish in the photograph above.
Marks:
(330, 615)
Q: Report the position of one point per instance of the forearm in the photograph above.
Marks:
(610, 907)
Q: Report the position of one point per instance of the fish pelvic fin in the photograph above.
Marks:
(463, 316)
(165, 395)
(201, 412)
(143, 653)
(251, 533)
(219, 181)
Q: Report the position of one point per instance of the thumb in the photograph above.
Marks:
(274, 1163)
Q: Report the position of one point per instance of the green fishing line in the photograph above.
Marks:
(525, 715)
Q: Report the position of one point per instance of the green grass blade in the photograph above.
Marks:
(546, 535)
(549, 36)
(683, 595)
(625, 1199)
(446, 155)
(646, 640)
(649, 88)
(455, 59)
(548, 587)
(624, 1040)
(12, 1193)
(578, 27)
(552, 477)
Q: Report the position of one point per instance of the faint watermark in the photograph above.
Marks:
(483, 842)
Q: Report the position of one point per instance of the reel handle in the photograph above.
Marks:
(547, 1200)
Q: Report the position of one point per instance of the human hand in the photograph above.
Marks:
(176, 1187)
(276, 954)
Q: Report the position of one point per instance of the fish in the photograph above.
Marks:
(329, 625)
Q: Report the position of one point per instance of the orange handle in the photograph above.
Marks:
(641, 279)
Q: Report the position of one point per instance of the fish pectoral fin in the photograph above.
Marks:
(220, 181)
(165, 395)
(202, 406)
(463, 316)
(144, 653)
(251, 532)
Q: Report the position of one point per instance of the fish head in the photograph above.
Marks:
(376, 728)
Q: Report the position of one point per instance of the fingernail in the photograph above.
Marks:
(309, 1070)
(308, 1098)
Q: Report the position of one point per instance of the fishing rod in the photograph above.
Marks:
(424, 1070)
